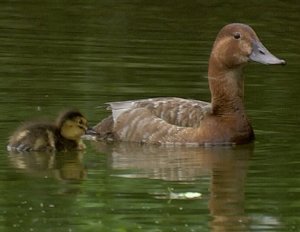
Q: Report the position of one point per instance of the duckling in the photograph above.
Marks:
(65, 134)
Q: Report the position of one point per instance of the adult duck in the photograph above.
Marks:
(184, 121)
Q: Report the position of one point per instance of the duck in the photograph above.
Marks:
(62, 135)
(172, 120)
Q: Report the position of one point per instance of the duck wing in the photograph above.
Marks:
(157, 120)
(175, 111)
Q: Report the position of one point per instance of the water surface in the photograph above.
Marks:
(58, 54)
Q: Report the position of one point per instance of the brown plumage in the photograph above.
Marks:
(64, 134)
(183, 121)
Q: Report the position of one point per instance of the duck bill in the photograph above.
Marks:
(90, 134)
(90, 131)
(261, 55)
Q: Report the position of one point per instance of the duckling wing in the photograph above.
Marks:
(175, 111)
(33, 136)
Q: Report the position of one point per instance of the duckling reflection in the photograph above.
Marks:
(226, 168)
(70, 167)
(63, 135)
(67, 166)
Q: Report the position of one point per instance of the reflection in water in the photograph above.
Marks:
(226, 166)
(66, 166)
(226, 204)
(56, 54)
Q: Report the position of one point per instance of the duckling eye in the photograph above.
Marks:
(237, 35)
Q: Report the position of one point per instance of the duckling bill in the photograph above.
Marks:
(62, 135)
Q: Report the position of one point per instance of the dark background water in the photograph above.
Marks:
(58, 54)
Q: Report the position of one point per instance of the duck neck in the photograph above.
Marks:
(227, 89)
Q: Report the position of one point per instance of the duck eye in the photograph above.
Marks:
(237, 35)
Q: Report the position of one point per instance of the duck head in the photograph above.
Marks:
(72, 125)
(236, 44)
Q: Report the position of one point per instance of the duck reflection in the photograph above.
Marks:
(226, 167)
(67, 166)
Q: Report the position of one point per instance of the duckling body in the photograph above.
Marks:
(184, 121)
(63, 135)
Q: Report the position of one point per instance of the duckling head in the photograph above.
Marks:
(72, 125)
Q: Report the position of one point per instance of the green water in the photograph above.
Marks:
(58, 54)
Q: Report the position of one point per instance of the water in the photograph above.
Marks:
(57, 54)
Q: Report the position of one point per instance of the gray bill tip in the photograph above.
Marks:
(283, 62)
